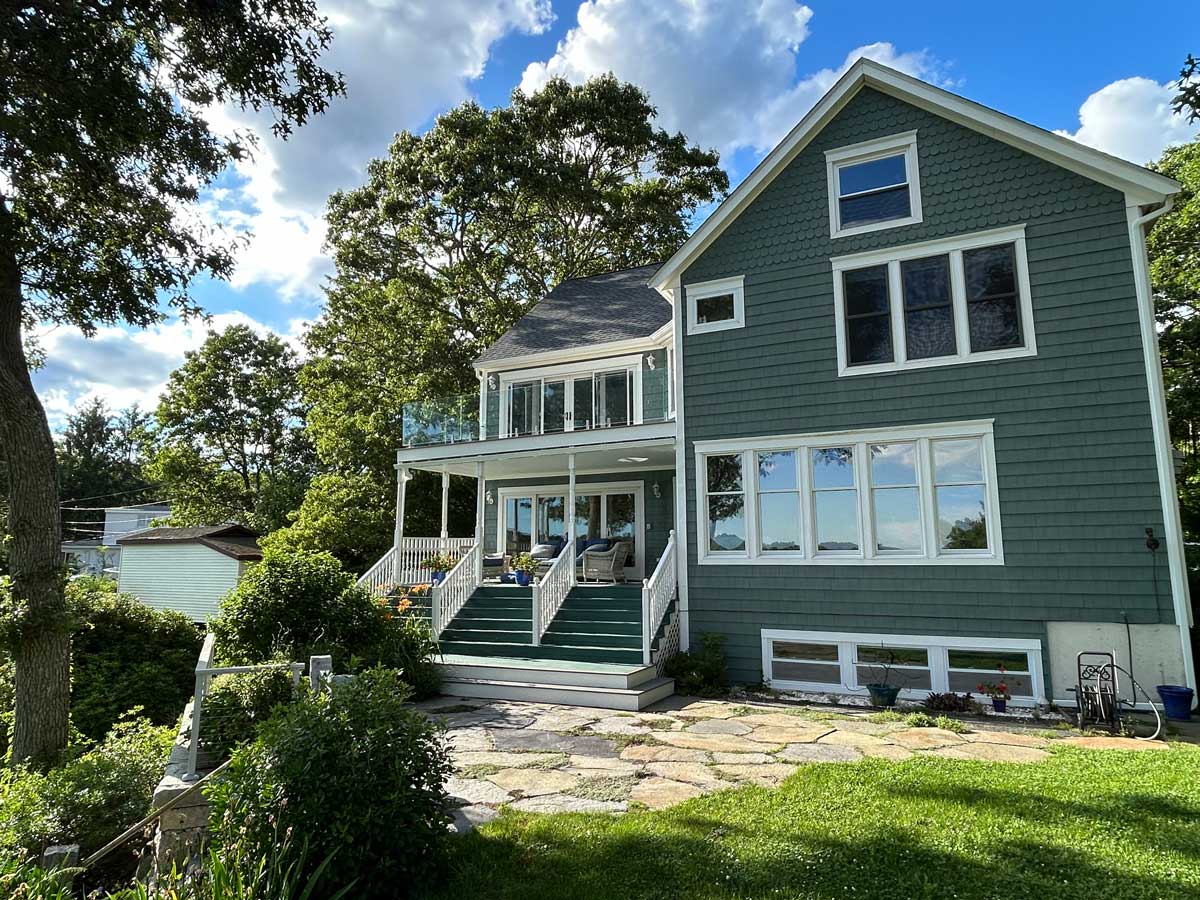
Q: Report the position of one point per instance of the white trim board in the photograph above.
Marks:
(582, 354)
(1141, 184)
(703, 289)
(868, 151)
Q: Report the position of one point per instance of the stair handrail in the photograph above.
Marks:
(380, 576)
(551, 590)
(658, 591)
(447, 598)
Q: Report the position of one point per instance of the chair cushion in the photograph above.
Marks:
(508, 578)
(493, 561)
(545, 551)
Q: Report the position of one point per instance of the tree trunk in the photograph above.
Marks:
(43, 649)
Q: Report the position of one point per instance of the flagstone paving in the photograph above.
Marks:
(545, 758)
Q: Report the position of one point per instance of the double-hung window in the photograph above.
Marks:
(884, 496)
(874, 185)
(936, 303)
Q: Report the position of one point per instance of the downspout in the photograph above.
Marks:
(1161, 427)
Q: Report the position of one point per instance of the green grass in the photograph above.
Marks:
(886, 717)
(1084, 824)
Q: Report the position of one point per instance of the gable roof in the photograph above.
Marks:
(600, 309)
(1142, 185)
(236, 541)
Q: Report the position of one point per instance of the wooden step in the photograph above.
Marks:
(625, 699)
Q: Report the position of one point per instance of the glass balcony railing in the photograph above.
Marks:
(450, 420)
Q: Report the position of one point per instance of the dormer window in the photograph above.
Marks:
(874, 185)
(716, 305)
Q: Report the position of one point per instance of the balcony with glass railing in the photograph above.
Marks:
(449, 420)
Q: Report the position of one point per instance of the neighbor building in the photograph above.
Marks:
(101, 555)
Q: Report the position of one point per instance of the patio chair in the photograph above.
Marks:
(496, 565)
(606, 565)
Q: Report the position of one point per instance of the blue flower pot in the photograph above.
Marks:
(523, 579)
(1177, 701)
(999, 705)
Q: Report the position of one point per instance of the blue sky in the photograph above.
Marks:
(734, 75)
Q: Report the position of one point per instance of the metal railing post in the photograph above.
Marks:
(194, 742)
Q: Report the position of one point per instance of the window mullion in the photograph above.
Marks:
(750, 503)
(866, 517)
(896, 305)
(927, 493)
(958, 294)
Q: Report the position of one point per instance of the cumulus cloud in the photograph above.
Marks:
(726, 74)
(1132, 118)
(403, 61)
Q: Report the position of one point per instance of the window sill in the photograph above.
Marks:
(937, 362)
(981, 560)
(875, 226)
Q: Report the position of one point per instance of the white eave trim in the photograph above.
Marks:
(1140, 183)
(583, 353)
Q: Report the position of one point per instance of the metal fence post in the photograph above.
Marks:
(194, 742)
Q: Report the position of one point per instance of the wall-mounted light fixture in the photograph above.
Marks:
(492, 382)
(488, 498)
(656, 490)
(651, 364)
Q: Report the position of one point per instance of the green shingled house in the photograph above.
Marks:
(897, 399)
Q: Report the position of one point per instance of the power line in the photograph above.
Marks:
(103, 508)
(101, 496)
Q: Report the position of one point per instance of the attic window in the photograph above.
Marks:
(716, 305)
(874, 185)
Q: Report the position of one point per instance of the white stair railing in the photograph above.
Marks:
(405, 568)
(378, 578)
(550, 592)
(447, 598)
(658, 592)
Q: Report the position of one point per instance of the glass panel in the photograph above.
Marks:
(518, 524)
(587, 516)
(622, 512)
(988, 660)
(897, 519)
(995, 324)
(868, 340)
(551, 518)
(837, 520)
(523, 408)
(724, 473)
(833, 467)
(727, 522)
(866, 290)
(612, 398)
(969, 682)
(928, 314)
(714, 309)
(911, 679)
(779, 521)
(893, 464)
(811, 652)
(962, 521)
(992, 310)
(957, 460)
(895, 656)
(870, 176)
(868, 317)
(554, 406)
(867, 209)
(815, 672)
(990, 271)
(777, 471)
(582, 404)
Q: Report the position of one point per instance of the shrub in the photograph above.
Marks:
(948, 724)
(356, 771)
(126, 655)
(700, 672)
(6, 702)
(950, 702)
(919, 720)
(408, 644)
(21, 879)
(236, 705)
(294, 604)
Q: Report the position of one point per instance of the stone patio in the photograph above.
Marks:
(542, 758)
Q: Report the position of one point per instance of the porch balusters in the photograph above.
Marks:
(550, 592)
(447, 598)
(658, 593)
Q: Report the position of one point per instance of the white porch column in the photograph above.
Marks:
(479, 517)
(570, 511)
(445, 509)
(398, 533)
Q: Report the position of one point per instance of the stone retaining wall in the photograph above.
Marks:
(181, 830)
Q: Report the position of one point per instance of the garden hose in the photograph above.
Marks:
(1158, 728)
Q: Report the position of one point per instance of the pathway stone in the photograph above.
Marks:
(799, 733)
(600, 767)
(852, 739)
(718, 726)
(471, 791)
(474, 738)
(1112, 742)
(717, 743)
(890, 752)
(534, 782)
(742, 759)
(482, 716)
(926, 738)
(659, 721)
(708, 710)
(659, 793)
(862, 726)
(768, 775)
(1009, 753)
(1014, 738)
(619, 725)
(467, 818)
(561, 720)
(693, 773)
(531, 739)
(500, 758)
(655, 753)
(820, 753)
(556, 803)
(781, 720)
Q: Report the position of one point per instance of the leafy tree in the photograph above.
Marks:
(102, 143)
(231, 444)
(1187, 100)
(456, 233)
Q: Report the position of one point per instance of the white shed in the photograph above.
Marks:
(186, 569)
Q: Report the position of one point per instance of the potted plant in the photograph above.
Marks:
(998, 691)
(440, 564)
(883, 692)
(525, 567)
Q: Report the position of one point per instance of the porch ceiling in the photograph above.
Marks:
(633, 456)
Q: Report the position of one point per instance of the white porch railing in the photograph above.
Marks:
(378, 578)
(550, 592)
(658, 593)
(447, 598)
(405, 568)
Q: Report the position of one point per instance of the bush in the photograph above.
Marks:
(236, 705)
(126, 655)
(6, 702)
(22, 879)
(294, 604)
(88, 800)
(700, 672)
(951, 702)
(919, 720)
(948, 724)
(356, 771)
(408, 644)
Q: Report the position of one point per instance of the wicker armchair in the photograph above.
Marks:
(606, 565)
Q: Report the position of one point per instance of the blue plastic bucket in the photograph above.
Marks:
(1177, 701)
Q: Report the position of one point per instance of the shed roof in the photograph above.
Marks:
(236, 541)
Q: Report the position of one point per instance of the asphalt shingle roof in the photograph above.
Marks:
(615, 306)
(232, 540)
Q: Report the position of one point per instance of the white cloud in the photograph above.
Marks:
(1132, 118)
(403, 61)
(726, 74)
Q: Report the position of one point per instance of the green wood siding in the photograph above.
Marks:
(1074, 448)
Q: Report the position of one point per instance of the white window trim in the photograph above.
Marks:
(702, 289)
(866, 152)
(921, 435)
(568, 371)
(953, 247)
(937, 646)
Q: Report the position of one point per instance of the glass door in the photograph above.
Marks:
(614, 398)
(518, 525)
(583, 413)
(554, 406)
(551, 520)
(523, 408)
(620, 514)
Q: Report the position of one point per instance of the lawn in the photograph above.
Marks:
(1084, 824)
